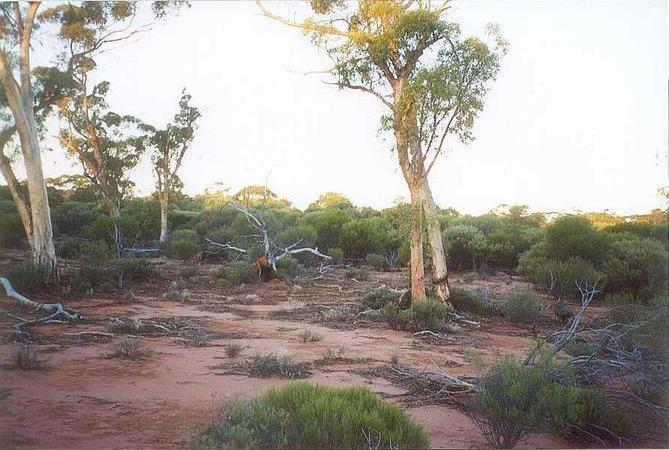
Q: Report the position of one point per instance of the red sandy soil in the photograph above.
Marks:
(85, 399)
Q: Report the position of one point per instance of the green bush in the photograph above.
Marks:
(184, 249)
(522, 306)
(470, 277)
(378, 262)
(135, 269)
(560, 277)
(288, 267)
(379, 297)
(514, 400)
(69, 249)
(301, 415)
(574, 236)
(11, 231)
(185, 234)
(467, 301)
(428, 314)
(358, 273)
(360, 237)
(95, 250)
(27, 278)
(266, 366)
(562, 312)
(462, 243)
(337, 255)
(397, 318)
(189, 272)
(638, 266)
(239, 272)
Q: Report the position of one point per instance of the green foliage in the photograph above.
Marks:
(470, 277)
(379, 297)
(69, 249)
(638, 266)
(463, 243)
(135, 270)
(562, 312)
(514, 400)
(288, 267)
(358, 273)
(184, 249)
(522, 306)
(574, 236)
(559, 277)
(95, 250)
(270, 365)
(11, 231)
(378, 262)
(467, 301)
(301, 415)
(398, 319)
(428, 314)
(27, 277)
(239, 272)
(337, 255)
(327, 224)
(189, 272)
(361, 237)
(185, 234)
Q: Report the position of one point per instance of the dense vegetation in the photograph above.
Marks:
(627, 254)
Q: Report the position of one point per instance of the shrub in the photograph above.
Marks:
(361, 237)
(379, 297)
(270, 365)
(135, 269)
(397, 318)
(337, 255)
(514, 400)
(25, 357)
(11, 231)
(428, 314)
(288, 267)
(69, 249)
(301, 415)
(184, 249)
(233, 349)
(522, 306)
(27, 277)
(574, 236)
(310, 336)
(467, 301)
(95, 250)
(462, 243)
(470, 277)
(185, 234)
(129, 348)
(239, 272)
(189, 272)
(562, 312)
(638, 266)
(375, 260)
(360, 274)
(560, 277)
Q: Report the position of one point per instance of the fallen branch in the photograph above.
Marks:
(225, 246)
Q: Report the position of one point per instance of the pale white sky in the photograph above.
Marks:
(577, 118)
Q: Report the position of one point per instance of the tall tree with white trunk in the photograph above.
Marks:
(431, 80)
(168, 147)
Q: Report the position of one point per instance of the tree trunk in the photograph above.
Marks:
(417, 267)
(440, 288)
(163, 219)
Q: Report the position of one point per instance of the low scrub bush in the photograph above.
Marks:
(135, 269)
(27, 278)
(397, 318)
(562, 312)
(310, 336)
(185, 234)
(379, 297)
(470, 277)
(467, 301)
(337, 255)
(358, 273)
(129, 348)
(69, 249)
(301, 415)
(378, 262)
(189, 272)
(184, 249)
(428, 314)
(233, 350)
(239, 272)
(25, 357)
(288, 267)
(560, 277)
(637, 266)
(522, 306)
(265, 366)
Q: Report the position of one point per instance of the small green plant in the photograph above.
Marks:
(265, 366)
(135, 269)
(129, 348)
(379, 297)
(562, 312)
(397, 318)
(27, 278)
(467, 301)
(358, 273)
(428, 314)
(25, 357)
(233, 349)
(302, 415)
(189, 272)
(310, 336)
(378, 262)
(184, 249)
(337, 255)
(522, 306)
(470, 277)
(238, 272)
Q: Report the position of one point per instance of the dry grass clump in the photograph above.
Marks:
(310, 336)
(129, 348)
(233, 349)
(25, 357)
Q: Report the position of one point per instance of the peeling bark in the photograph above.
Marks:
(440, 288)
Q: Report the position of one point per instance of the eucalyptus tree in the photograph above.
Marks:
(107, 144)
(430, 79)
(17, 24)
(168, 146)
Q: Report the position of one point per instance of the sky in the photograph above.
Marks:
(576, 119)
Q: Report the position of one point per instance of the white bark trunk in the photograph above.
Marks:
(163, 220)
(417, 264)
(440, 288)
